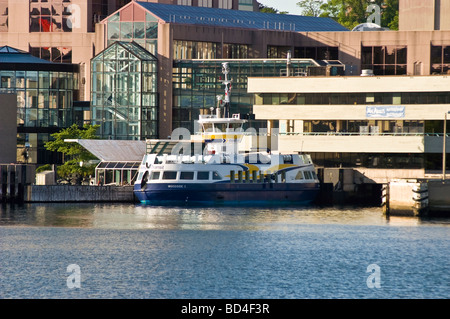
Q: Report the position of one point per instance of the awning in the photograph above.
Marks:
(113, 150)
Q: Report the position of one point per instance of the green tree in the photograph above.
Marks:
(350, 13)
(74, 153)
(389, 16)
(266, 9)
(311, 8)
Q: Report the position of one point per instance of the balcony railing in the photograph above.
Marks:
(361, 134)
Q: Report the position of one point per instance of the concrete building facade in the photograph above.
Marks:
(373, 122)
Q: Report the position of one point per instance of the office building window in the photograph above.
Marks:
(144, 33)
(275, 52)
(373, 160)
(225, 4)
(235, 51)
(246, 5)
(184, 2)
(440, 59)
(51, 16)
(397, 98)
(205, 3)
(54, 54)
(3, 15)
(187, 50)
(317, 53)
(384, 60)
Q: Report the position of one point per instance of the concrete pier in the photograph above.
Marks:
(417, 197)
(406, 197)
(14, 178)
(73, 193)
(439, 196)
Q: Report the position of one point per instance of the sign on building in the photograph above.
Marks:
(385, 111)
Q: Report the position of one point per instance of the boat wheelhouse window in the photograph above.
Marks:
(308, 175)
(299, 175)
(170, 175)
(202, 176)
(207, 127)
(187, 175)
(216, 176)
(155, 175)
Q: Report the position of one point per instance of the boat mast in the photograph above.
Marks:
(227, 84)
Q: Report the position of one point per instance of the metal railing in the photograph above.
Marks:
(362, 134)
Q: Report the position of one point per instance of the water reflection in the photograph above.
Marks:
(126, 216)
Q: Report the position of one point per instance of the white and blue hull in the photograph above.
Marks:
(226, 193)
(191, 180)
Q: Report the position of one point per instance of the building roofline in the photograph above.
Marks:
(214, 17)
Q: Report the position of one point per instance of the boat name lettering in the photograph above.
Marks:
(176, 186)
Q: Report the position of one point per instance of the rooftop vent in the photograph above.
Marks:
(367, 73)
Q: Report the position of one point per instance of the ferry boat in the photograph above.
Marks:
(220, 173)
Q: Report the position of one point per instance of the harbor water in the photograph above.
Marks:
(129, 251)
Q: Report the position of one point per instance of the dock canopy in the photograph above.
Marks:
(120, 159)
(113, 150)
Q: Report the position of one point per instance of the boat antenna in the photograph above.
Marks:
(227, 83)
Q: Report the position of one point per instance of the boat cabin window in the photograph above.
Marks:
(170, 175)
(216, 176)
(299, 175)
(187, 175)
(308, 175)
(207, 127)
(202, 176)
(222, 127)
(155, 175)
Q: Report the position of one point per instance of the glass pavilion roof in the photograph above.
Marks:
(138, 51)
(132, 47)
(12, 55)
(240, 19)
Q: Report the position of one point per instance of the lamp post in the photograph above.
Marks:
(444, 151)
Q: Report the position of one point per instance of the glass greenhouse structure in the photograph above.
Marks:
(124, 92)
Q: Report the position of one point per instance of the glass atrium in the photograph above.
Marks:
(124, 92)
(45, 94)
(142, 30)
(197, 83)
